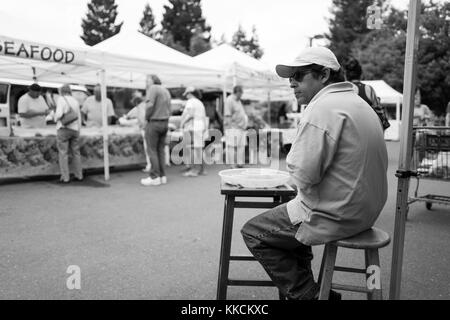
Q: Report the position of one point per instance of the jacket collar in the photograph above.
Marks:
(333, 88)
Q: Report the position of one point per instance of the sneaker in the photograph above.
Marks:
(151, 182)
(190, 174)
(146, 170)
(164, 180)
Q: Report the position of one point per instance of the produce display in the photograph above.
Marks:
(35, 153)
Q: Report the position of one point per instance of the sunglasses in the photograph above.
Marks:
(299, 75)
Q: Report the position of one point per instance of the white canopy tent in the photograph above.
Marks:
(175, 69)
(27, 60)
(390, 96)
(239, 68)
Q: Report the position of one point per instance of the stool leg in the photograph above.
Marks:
(328, 269)
(225, 249)
(373, 259)
(324, 254)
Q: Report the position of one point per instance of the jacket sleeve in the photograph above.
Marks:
(150, 103)
(311, 154)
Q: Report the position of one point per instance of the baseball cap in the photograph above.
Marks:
(189, 90)
(314, 55)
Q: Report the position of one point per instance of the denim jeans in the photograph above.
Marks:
(68, 140)
(270, 237)
(155, 134)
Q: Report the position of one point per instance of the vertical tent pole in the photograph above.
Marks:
(224, 92)
(412, 44)
(397, 114)
(268, 105)
(104, 124)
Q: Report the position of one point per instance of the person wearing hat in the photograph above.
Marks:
(235, 124)
(194, 123)
(338, 162)
(32, 108)
(157, 115)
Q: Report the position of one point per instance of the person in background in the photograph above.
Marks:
(353, 73)
(447, 117)
(138, 113)
(32, 108)
(338, 162)
(235, 124)
(67, 136)
(92, 109)
(194, 123)
(157, 115)
(422, 113)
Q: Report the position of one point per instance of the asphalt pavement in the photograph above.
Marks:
(132, 242)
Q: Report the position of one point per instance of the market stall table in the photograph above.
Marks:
(33, 152)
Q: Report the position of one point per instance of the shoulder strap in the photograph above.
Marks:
(362, 92)
(68, 104)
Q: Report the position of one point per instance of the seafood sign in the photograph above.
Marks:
(28, 50)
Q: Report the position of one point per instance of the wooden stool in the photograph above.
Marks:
(279, 195)
(369, 241)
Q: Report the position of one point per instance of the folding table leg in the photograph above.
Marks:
(225, 249)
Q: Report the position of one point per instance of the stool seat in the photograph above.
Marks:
(370, 239)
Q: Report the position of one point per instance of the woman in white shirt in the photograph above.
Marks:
(194, 122)
(68, 135)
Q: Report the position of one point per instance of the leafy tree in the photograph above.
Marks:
(348, 24)
(247, 45)
(148, 22)
(99, 23)
(382, 53)
(182, 21)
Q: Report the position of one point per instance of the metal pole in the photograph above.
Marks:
(104, 124)
(412, 44)
(268, 105)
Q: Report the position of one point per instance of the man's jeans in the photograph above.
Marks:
(270, 237)
(155, 134)
(67, 139)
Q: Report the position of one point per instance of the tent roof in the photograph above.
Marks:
(135, 44)
(248, 71)
(385, 92)
(121, 70)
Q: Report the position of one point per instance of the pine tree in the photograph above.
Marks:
(148, 22)
(99, 23)
(181, 21)
(239, 39)
(254, 48)
(249, 46)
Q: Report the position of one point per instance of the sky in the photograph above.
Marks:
(283, 26)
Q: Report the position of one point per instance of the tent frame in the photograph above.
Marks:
(404, 172)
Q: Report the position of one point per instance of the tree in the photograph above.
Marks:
(239, 39)
(253, 45)
(348, 24)
(148, 22)
(382, 53)
(99, 23)
(182, 21)
(249, 46)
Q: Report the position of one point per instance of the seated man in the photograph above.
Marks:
(32, 108)
(92, 109)
(338, 161)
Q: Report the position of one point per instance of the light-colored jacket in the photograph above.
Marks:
(339, 164)
(62, 107)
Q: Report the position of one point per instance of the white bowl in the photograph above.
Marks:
(255, 178)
